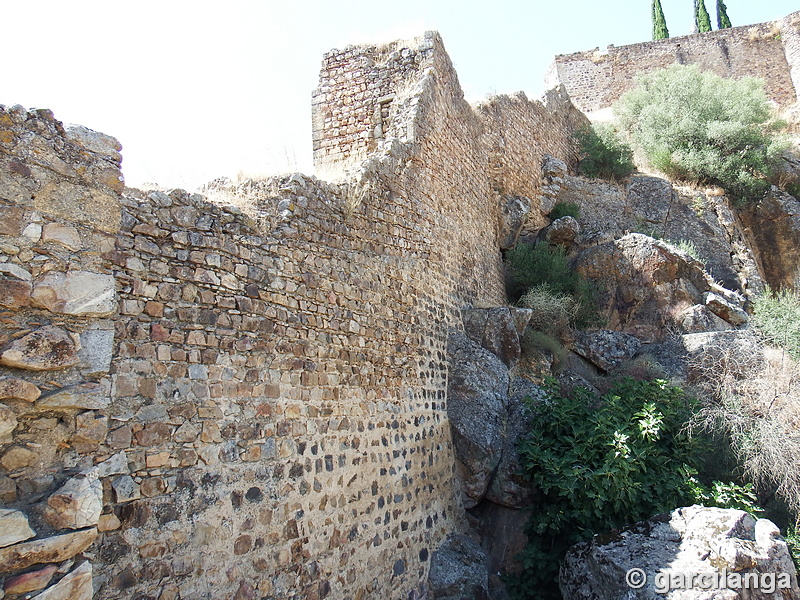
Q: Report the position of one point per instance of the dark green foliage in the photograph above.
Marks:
(660, 31)
(727, 495)
(603, 463)
(547, 267)
(603, 153)
(564, 209)
(695, 125)
(723, 22)
(793, 540)
(702, 20)
(777, 319)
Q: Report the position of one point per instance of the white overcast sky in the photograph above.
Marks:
(196, 89)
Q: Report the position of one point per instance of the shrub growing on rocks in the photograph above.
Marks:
(604, 154)
(695, 125)
(604, 462)
(546, 270)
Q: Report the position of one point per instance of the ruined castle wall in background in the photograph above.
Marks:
(597, 78)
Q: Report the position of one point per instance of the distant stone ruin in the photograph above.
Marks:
(595, 79)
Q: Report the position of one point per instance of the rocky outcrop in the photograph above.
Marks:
(497, 330)
(458, 571)
(564, 232)
(45, 349)
(508, 486)
(477, 407)
(648, 285)
(773, 229)
(503, 535)
(606, 349)
(650, 560)
(681, 214)
(513, 216)
(488, 413)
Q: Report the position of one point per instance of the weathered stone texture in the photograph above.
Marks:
(596, 79)
(647, 285)
(518, 133)
(262, 391)
(251, 400)
(773, 229)
(678, 214)
(692, 540)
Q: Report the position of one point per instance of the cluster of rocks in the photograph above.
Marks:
(488, 409)
(650, 287)
(692, 553)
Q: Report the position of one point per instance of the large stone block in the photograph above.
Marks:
(48, 550)
(79, 293)
(89, 396)
(81, 204)
(77, 504)
(714, 541)
(76, 585)
(97, 349)
(29, 582)
(45, 349)
(14, 527)
(18, 389)
(14, 293)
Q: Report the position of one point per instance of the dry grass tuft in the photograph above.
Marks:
(552, 312)
(753, 393)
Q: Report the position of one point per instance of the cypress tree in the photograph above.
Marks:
(723, 22)
(701, 18)
(660, 31)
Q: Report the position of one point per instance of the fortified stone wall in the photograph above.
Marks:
(597, 78)
(518, 132)
(210, 401)
(360, 96)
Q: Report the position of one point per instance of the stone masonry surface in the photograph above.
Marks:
(597, 78)
(205, 401)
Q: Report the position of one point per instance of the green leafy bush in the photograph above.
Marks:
(726, 495)
(696, 125)
(602, 463)
(547, 268)
(777, 319)
(564, 209)
(603, 153)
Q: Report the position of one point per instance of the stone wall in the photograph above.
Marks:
(597, 78)
(518, 132)
(207, 400)
(360, 95)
